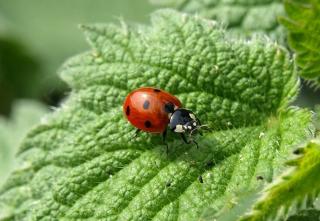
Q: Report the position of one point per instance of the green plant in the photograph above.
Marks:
(241, 18)
(299, 186)
(82, 163)
(303, 23)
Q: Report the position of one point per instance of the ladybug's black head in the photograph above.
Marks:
(183, 121)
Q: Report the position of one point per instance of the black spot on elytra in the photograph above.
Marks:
(200, 179)
(147, 124)
(128, 111)
(168, 184)
(146, 104)
(169, 107)
(156, 90)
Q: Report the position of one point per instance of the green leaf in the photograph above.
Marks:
(303, 23)
(306, 215)
(25, 114)
(295, 188)
(244, 18)
(82, 163)
(236, 205)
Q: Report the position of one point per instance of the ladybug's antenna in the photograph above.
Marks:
(205, 126)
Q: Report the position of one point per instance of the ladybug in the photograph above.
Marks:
(153, 110)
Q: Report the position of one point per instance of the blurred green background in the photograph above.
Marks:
(36, 37)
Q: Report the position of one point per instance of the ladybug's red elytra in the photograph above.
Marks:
(153, 110)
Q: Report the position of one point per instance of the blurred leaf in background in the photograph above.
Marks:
(25, 114)
(242, 18)
(19, 73)
(303, 24)
(19, 70)
(36, 36)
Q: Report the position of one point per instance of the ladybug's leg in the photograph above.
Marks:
(188, 142)
(200, 125)
(195, 144)
(199, 121)
(164, 136)
(136, 133)
(184, 138)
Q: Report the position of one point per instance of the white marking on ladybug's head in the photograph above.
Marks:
(192, 116)
(194, 124)
(179, 129)
(189, 127)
